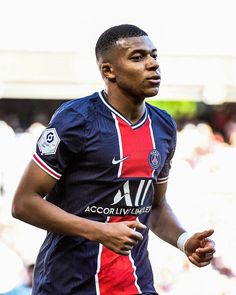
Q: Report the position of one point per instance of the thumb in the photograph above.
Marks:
(205, 234)
(136, 224)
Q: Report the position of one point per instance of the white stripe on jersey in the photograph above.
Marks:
(45, 167)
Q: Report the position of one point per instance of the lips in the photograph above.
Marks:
(155, 79)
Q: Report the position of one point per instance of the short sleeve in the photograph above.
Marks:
(164, 174)
(60, 141)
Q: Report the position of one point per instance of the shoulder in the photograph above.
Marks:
(161, 116)
(74, 112)
(78, 106)
(71, 118)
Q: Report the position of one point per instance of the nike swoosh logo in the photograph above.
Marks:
(114, 161)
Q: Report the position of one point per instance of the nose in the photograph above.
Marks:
(152, 63)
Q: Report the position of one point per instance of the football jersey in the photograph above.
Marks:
(106, 169)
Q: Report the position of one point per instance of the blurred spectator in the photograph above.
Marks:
(232, 139)
(230, 130)
(11, 267)
(26, 287)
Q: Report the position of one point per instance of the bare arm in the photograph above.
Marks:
(163, 221)
(29, 206)
(198, 248)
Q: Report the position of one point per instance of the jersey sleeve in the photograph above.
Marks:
(60, 141)
(164, 174)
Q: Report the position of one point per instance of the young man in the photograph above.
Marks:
(98, 179)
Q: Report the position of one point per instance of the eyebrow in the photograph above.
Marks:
(141, 50)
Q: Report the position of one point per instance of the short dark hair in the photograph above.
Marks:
(113, 34)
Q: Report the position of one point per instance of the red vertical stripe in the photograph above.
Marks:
(136, 145)
(116, 274)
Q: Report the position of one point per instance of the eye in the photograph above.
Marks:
(154, 56)
(137, 57)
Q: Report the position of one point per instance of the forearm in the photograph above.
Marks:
(164, 223)
(29, 206)
(115, 236)
(43, 214)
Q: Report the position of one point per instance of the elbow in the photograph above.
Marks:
(152, 224)
(154, 220)
(17, 210)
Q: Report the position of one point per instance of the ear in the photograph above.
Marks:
(107, 71)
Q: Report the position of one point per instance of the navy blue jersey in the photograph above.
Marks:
(106, 169)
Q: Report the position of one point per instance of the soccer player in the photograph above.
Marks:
(98, 178)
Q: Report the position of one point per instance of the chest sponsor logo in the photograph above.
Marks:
(125, 204)
(115, 162)
(124, 194)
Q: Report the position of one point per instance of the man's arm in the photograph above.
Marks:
(30, 206)
(164, 223)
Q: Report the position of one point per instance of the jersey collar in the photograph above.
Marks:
(117, 113)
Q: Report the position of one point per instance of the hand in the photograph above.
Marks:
(200, 249)
(121, 237)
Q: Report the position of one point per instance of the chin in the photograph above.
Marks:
(152, 92)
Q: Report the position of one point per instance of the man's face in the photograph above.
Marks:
(135, 66)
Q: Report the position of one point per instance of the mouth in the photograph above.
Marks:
(155, 79)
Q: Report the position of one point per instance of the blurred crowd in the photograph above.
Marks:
(201, 191)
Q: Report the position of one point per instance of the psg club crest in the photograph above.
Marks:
(154, 159)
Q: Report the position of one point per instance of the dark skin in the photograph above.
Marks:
(126, 63)
(131, 73)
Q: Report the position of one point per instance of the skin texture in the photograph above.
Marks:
(131, 73)
(127, 71)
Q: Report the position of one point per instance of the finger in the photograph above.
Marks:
(136, 224)
(202, 257)
(206, 247)
(200, 260)
(131, 243)
(136, 236)
(209, 256)
(127, 248)
(205, 234)
(197, 263)
(141, 225)
(206, 250)
(196, 258)
(206, 255)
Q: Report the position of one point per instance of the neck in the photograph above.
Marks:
(131, 108)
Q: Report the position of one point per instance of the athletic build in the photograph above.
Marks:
(98, 179)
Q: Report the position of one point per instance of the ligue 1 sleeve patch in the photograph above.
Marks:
(48, 142)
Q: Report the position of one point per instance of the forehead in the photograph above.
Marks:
(135, 43)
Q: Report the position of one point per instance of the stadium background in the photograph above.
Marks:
(47, 57)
